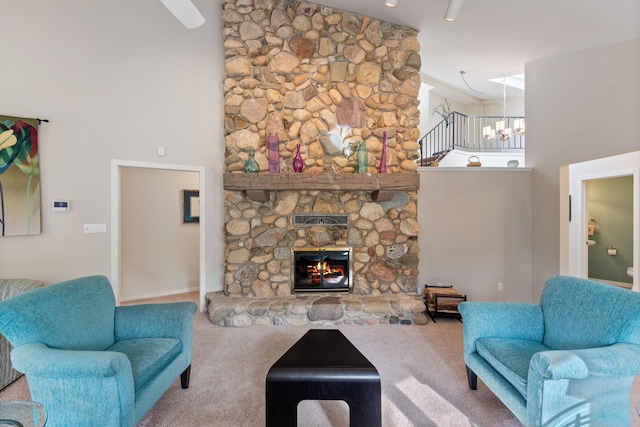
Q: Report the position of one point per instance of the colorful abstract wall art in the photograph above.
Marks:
(19, 177)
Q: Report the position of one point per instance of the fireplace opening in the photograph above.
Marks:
(321, 269)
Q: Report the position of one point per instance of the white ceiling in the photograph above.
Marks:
(495, 38)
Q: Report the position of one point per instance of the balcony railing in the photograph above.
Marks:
(466, 132)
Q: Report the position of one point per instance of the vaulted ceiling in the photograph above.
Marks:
(495, 38)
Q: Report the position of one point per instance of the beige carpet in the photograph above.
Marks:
(421, 367)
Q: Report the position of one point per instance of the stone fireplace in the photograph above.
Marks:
(260, 237)
(381, 237)
(318, 80)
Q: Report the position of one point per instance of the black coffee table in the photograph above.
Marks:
(323, 365)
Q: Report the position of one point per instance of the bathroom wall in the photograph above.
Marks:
(610, 209)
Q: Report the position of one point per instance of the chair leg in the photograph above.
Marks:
(185, 376)
(472, 378)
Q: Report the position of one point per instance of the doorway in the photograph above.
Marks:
(149, 225)
(610, 229)
(575, 232)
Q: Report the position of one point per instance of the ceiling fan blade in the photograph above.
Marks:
(185, 11)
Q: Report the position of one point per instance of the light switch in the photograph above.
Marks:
(95, 228)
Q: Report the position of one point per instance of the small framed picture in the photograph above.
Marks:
(191, 203)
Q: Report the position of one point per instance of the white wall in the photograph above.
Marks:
(159, 252)
(424, 108)
(436, 99)
(514, 107)
(430, 99)
(116, 80)
(580, 106)
(475, 231)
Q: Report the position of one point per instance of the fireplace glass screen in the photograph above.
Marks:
(321, 270)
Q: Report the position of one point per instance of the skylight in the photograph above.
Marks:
(515, 81)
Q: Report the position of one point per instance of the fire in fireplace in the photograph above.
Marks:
(321, 269)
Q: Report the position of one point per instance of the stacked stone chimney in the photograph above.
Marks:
(324, 79)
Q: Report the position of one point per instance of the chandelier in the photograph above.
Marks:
(502, 130)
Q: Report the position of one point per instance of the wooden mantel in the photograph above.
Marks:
(382, 186)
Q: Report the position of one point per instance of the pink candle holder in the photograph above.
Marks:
(383, 156)
(298, 163)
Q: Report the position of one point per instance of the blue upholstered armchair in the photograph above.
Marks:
(570, 360)
(90, 363)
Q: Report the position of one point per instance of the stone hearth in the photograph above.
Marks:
(316, 309)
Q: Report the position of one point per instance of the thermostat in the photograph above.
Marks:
(60, 206)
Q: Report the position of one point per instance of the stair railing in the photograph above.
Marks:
(444, 136)
(458, 130)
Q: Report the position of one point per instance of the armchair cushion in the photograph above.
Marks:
(500, 320)
(148, 357)
(510, 357)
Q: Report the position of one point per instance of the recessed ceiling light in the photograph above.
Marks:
(391, 3)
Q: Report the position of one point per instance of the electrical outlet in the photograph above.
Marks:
(500, 286)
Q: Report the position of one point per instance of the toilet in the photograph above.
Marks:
(630, 271)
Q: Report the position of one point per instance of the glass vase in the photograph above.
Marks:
(383, 156)
(298, 164)
(362, 157)
(273, 147)
(251, 166)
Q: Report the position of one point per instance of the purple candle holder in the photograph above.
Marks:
(273, 148)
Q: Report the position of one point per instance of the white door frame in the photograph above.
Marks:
(576, 264)
(115, 219)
